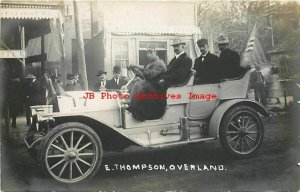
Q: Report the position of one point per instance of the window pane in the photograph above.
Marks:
(124, 50)
(143, 44)
(162, 45)
(124, 54)
(150, 44)
(118, 56)
(117, 62)
(143, 59)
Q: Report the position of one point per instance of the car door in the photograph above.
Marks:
(203, 100)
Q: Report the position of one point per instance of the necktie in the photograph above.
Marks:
(117, 81)
(202, 58)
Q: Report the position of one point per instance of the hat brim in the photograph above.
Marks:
(183, 43)
(223, 42)
(99, 74)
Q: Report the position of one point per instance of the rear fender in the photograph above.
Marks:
(219, 113)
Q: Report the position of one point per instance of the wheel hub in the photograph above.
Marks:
(71, 155)
(242, 132)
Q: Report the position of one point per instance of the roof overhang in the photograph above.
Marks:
(29, 12)
(153, 30)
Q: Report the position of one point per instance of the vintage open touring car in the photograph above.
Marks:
(69, 144)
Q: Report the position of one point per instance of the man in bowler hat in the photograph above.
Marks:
(179, 67)
(102, 82)
(229, 60)
(205, 65)
(117, 81)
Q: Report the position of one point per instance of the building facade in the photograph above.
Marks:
(120, 32)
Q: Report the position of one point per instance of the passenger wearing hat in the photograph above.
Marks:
(71, 84)
(179, 67)
(101, 84)
(229, 60)
(147, 109)
(205, 65)
(117, 81)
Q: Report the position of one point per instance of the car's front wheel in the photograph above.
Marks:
(241, 131)
(71, 152)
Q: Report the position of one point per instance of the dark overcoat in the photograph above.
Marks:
(178, 70)
(206, 70)
(111, 84)
(148, 108)
(229, 64)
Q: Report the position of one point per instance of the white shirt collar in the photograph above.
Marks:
(204, 55)
(179, 54)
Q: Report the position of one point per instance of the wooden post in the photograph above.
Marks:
(23, 49)
(80, 53)
(42, 51)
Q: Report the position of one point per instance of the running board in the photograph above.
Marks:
(180, 142)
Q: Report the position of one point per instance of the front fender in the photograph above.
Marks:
(218, 114)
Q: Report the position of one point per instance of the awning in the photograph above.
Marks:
(153, 30)
(30, 13)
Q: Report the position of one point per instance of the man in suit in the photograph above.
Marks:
(229, 60)
(32, 92)
(257, 82)
(117, 81)
(205, 65)
(179, 67)
(102, 82)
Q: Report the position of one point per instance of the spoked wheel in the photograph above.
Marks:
(71, 152)
(241, 131)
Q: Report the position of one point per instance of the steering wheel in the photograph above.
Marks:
(137, 72)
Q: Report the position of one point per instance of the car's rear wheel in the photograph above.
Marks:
(71, 152)
(241, 131)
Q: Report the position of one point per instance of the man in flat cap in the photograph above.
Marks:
(117, 81)
(205, 65)
(101, 84)
(179, 67)
(229, 60)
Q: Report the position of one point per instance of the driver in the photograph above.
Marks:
(147, 109)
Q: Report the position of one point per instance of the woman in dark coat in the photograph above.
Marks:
(143, 104)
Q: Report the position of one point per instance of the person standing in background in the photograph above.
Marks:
(117, 81)
(14, 96)
(101, 84)
(257, 82)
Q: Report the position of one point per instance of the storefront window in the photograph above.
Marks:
(161, 50)
(120, 55)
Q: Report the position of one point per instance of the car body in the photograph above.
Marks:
(69, 144)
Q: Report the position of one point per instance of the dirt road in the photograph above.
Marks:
(273, 168)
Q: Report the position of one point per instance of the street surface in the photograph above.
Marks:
(273, 168)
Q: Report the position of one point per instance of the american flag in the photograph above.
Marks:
(254, 52)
